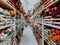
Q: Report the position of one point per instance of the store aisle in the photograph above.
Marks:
(28, 37)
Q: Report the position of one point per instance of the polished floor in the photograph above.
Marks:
(28, 37)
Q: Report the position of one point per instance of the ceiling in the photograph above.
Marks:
(29, 4)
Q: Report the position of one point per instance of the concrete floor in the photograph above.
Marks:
(28, 37)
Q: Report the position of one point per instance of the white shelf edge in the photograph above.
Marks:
(1, 15)
(53, 22)
(53, 19)
(53, 42)
(2, 27)
(49, 42)
(51, 25)
(6, 19)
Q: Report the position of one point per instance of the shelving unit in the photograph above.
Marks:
(47, 22)
(7, 23)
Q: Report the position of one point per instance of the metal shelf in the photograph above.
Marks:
(49, 41)
(51, 25)
(6, 19)
(2, 27)
(52, 22)
(1, 15)
(53, 19)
